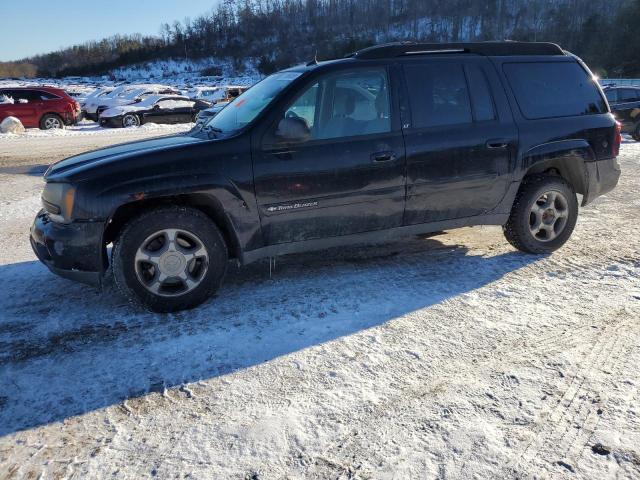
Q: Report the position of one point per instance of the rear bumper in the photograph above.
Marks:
(603, 177)
(72, 251)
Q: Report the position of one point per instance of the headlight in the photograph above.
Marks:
(58, 200)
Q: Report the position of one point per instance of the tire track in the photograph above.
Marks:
(575, 405)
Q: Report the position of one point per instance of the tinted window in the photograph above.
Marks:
(627, 95)
(483, 109)
(547, 89)
(612, 95)
(45, 95)
(344, 105)
(438, 95)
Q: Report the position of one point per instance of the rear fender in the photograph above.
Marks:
(574, 160)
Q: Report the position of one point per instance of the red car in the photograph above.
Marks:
(39, 107)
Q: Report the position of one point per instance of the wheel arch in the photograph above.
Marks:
(568, 159)
(207, 204)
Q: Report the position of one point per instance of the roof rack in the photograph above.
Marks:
(497, 49)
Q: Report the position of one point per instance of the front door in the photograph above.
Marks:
(333, 162)
(459, 150)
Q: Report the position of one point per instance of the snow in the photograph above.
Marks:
(11, 125)
(445, 357)
(145, 104)
(87, 128)
(6, 100)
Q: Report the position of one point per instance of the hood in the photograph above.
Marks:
(121, 110)
(80, 163)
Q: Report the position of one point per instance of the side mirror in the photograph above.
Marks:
(293, 129)
(156, 107)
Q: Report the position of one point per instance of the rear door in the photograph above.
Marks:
(346, 173)
(25, 107)
(460, 146)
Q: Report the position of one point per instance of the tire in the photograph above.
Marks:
(138, 267)
(636, 133)
(544, 201)
(51, 121)
(131, 120)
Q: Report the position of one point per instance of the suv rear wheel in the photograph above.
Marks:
(543, 216)
(169, 259)
(51, 121)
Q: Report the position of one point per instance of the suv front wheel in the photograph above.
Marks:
(169, 259)
(543, 215)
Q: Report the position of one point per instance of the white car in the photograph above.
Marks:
(123, 95)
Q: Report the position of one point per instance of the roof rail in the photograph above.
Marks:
(497, 49)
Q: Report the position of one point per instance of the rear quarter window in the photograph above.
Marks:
(553, 89)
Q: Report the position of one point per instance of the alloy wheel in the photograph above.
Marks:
(171, 262)
(52, 123)
(130, 121)
(548, 216)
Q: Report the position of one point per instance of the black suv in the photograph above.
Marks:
(395, 140)
(625, 104)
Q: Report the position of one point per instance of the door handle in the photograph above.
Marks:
(497, 144)
(381, 157)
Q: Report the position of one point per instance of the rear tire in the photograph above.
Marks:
(636, 133)
(51, 121)
(543, 215)
(169, 259)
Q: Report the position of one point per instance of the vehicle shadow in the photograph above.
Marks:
(66, 349)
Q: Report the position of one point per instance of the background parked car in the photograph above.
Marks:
(205, 115)
(123, 95)
(153, 109)
(39, 107)
(625, 105)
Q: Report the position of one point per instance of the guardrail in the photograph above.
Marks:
(620, 81)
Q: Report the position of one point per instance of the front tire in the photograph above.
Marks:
(51, 121)
(131, 120)
(543, 215)
(169, 259)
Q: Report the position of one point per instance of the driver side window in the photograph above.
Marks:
(340, 105)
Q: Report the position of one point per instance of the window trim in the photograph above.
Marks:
(492, 99)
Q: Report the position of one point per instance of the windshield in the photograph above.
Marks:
(248, 106)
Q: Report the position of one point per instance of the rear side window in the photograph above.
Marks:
(438, 94)
(553, 89)
(45, 95)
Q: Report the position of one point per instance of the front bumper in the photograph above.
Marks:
(89, 116)
(111, 122)
(72, 251)
(603, 177)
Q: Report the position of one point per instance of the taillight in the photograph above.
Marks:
(617, 141)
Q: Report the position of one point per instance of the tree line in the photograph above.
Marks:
(279, 33)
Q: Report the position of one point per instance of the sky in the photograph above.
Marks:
(30, 27)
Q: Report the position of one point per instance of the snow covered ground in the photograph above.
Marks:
(445, 357)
